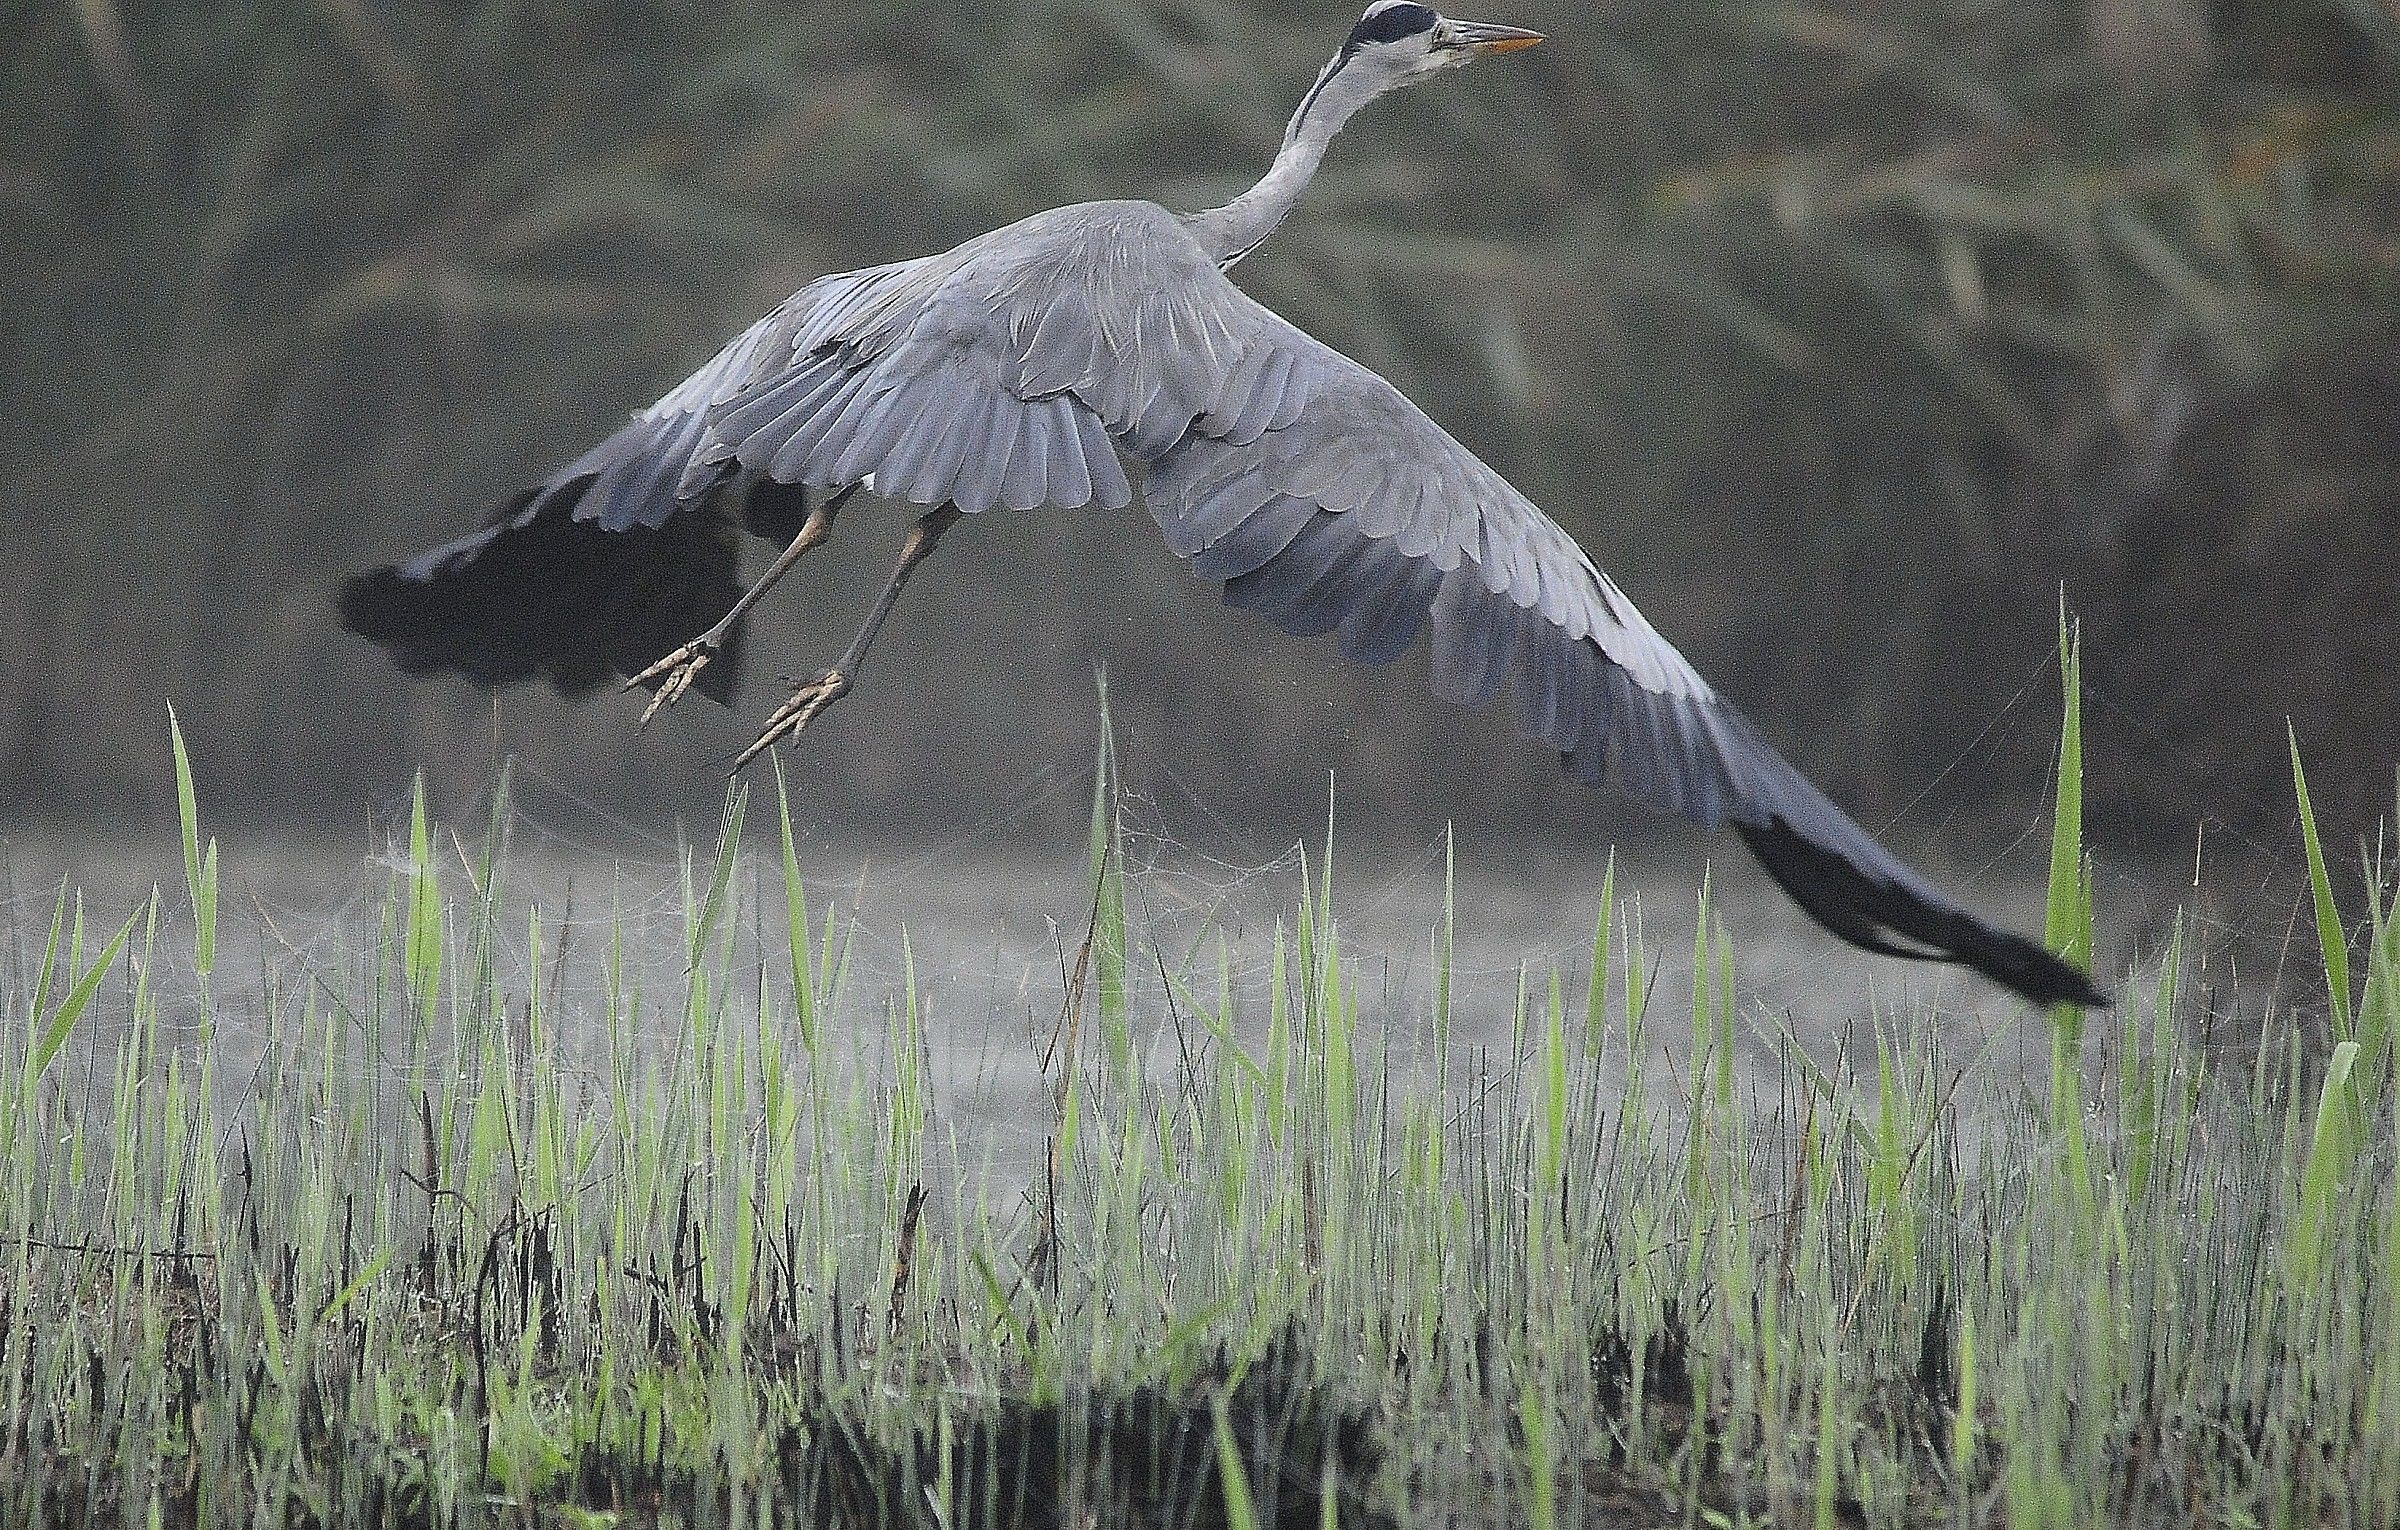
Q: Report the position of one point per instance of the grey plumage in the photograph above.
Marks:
(1028, 367)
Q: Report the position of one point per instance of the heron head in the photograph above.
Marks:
(1395, 44)
(1405, 42)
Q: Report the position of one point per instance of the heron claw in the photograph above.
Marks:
(674, 675)
(808, 702)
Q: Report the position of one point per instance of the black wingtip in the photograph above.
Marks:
(543, 596)
(1888, 915)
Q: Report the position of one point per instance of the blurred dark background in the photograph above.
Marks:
(1845, 333)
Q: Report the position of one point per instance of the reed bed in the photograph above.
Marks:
(441, 1238)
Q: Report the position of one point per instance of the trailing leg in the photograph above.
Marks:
(675, 674)
(811, 699)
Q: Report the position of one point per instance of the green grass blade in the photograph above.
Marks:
(2331, 939)
(61, 1024)
(1241, 1510)
(795, 915)
(2067, 925)
(1595, 999)
(48, 974)
(199, 875)
(365, 1278)
(720, 877)
(2332, 1152)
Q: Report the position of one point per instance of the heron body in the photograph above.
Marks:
(1052, 364)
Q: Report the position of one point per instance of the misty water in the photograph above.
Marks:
(987, 928)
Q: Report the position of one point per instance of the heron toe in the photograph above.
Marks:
(808, 702)
(674, 676)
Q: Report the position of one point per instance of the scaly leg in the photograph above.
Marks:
(813, 698)
(676, 673)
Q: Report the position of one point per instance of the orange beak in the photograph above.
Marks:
(1484, 38)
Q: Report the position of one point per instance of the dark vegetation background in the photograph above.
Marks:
(1845, 333)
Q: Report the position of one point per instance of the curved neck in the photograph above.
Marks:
(1242, 225)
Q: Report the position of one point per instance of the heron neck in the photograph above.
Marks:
(1242, 225)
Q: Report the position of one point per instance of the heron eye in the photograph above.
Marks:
(1393, 23)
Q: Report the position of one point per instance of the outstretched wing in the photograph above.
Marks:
(1328, 503)
(999, 374)
(597, 570)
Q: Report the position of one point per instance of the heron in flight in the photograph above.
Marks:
(1048, 365)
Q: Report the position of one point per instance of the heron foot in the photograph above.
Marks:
(674, 675)
(807, 703)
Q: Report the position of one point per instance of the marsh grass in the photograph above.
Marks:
(465, 1243)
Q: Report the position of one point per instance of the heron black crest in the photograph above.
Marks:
(1392, 23)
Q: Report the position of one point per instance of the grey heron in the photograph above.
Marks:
(1047, 364)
